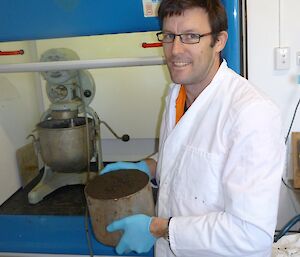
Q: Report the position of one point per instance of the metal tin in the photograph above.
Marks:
(104, 210)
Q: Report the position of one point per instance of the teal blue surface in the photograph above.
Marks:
(232, 51)
(50, 234)
(36, 19)
(40, 19)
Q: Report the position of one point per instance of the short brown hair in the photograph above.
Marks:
(216, 12)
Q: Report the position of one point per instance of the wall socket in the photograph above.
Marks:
(282, 58)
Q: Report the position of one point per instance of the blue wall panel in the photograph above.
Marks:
(50, 234)
(40, 19)
(232, 51)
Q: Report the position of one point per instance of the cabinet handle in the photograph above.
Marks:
(148, 45)
(17, 52)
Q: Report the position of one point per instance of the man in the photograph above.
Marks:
(221, 151)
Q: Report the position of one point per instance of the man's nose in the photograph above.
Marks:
(177, 46)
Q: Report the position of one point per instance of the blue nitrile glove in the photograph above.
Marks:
(142, 166)
(136, 234)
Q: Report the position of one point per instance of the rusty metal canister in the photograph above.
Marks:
(115, 195)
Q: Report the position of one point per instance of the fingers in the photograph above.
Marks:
(116, 225)
(136, 235)
(142, 165)
(122, 246)
(110, 167)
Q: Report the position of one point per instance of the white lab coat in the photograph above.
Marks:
(219, 171)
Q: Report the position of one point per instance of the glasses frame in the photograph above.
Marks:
(180, 36)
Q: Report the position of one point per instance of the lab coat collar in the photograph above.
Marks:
(178, 130)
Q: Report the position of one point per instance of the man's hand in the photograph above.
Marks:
(136, 234)
(142, 166)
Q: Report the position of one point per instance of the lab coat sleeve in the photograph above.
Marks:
(251, 182)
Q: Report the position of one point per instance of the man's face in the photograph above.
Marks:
(190, 64)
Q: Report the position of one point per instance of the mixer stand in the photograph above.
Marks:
(53, 180)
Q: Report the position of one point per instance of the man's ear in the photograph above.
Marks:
(221, 41)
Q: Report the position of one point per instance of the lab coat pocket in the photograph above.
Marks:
(197, 183)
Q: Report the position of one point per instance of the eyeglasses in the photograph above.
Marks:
(186, 38)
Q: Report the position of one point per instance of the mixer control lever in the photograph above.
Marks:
(124, 138)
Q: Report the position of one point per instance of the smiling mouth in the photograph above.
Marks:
(180, 64)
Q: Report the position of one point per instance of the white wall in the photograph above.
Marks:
(19, 111)
(263, 37)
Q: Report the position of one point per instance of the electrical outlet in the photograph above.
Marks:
(282, 58)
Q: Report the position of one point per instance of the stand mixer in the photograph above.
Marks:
(69, 131)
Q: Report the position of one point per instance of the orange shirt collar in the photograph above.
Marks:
(180, 103)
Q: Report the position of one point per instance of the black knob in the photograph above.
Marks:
(87, 93)
(125, 138)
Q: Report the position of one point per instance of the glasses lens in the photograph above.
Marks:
(165, 37)
(190, 38)
(160, 37)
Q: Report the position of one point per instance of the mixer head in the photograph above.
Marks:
(67, 90)
(57, 55)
